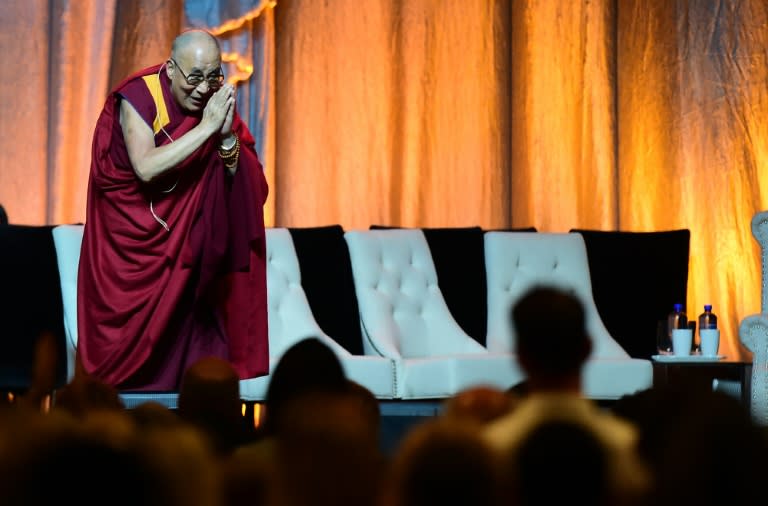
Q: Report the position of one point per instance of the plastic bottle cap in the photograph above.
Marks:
(707, 307)
(678, 307)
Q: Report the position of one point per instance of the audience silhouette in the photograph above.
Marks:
(319, 443)
(209, 399)
(552, 346)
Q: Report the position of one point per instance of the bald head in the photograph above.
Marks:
(194, 41)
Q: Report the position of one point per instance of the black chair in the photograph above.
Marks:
(326, 277)
(637, 277)
(30, 303)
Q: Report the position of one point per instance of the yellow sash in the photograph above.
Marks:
(161, 118)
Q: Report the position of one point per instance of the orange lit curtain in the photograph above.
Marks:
(693, 139)
(612, 114)
(55, 60)
(392, 112)
(60, 58)
(633, 115)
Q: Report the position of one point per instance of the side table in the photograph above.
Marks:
(693, 374)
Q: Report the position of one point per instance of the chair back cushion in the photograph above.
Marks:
(399, 297)
(326, 275)
(459, 258)
(30, 302)
(517, 261)
(637, 277)
(290, 317)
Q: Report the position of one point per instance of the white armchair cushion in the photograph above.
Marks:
(444, 376)
(67, 240)
(291, 320)
(405, 317)
(405, 314)
(516, 261)
(611, 378)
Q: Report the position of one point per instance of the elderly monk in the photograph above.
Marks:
(172, 266)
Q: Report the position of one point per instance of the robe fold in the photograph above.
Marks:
(173, 270)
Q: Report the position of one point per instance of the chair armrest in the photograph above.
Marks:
(760, 227)
(753, 333)
(380, 337)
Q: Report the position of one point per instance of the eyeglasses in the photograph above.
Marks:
(215, 79)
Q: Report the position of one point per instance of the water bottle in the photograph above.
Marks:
(707, 319)
(708, 323)
(677, 319)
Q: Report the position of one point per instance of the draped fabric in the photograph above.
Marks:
(693, 140)
(607, 114)
(246, 31)
(392, 112)
(55, 57)
(633, 115)
(142, 35)
(138, 285)
(563, 166)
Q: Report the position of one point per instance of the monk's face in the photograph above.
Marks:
(195, 75)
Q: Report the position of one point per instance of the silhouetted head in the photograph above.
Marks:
(481, 404)
(306, 367)
(552, 340)
(209, 384)
(209, 398)
(567, 452)
(444, 461)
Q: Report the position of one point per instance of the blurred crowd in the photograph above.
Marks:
(318, 439)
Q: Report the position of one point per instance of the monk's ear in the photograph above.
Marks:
(170, 68)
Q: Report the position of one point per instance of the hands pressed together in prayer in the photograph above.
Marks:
(220, 110)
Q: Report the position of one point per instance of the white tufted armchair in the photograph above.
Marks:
(290, 318)
(753, 330)
(515, 262)
(405, 318)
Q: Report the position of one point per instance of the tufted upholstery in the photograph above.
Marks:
(290, 318)
(753, 329)
(515, 261)
(457, 253)
(405, 317)
(414, 347)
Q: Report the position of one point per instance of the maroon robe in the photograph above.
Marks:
(152, 301)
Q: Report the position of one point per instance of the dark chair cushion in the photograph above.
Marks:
(30, 303)
(637, 277)
(326, 276)
(512, 229)
(459, 257)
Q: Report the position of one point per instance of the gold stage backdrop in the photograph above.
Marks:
(608, 114)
